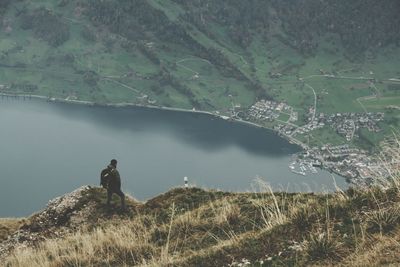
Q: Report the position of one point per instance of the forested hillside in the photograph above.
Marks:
(209, 55)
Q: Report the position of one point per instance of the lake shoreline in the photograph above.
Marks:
(289, 139)
(156, 150)
(127, 104)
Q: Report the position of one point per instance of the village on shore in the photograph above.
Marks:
(347, 160)
(356, 165)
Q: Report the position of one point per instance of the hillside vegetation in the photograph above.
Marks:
(213, 55)
(195, 227)
(208, 55)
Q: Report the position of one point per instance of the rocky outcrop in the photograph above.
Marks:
(61, 215)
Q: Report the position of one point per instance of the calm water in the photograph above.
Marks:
(48, 149)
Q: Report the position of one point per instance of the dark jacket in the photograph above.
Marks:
(110, 179)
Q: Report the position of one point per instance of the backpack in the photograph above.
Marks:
(105, 177)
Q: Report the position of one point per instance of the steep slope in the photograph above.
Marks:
(194, 227)
(63, 215)
(209, 55)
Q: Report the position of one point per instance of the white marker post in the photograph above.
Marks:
(185, 179)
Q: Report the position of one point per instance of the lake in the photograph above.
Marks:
(48, 149)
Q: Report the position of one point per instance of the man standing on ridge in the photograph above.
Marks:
(111, 180)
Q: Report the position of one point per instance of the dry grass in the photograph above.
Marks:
(221, 231)
(8, 226)
(383, 251)
(274, 209)
(144, 240)
(225, 212)
(125, 243)
(322, 245)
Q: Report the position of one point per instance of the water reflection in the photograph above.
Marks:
(199, 130)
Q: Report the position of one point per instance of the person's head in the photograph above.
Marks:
(113, 162)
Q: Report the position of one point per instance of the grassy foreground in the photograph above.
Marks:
(195, 227)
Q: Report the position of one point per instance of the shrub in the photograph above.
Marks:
(322, 246)
(303, 219)
(383, 220)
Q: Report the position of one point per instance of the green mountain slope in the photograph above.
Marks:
(209, 55)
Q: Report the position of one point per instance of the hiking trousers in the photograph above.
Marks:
(119, 193)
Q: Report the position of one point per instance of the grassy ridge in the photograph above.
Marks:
(193, 227)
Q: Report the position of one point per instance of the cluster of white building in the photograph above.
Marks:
(347, 123)
(266, 110)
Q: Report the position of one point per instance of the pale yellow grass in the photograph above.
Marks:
(384, 252)
(130, 242)
(127, 242)
(8, 226)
